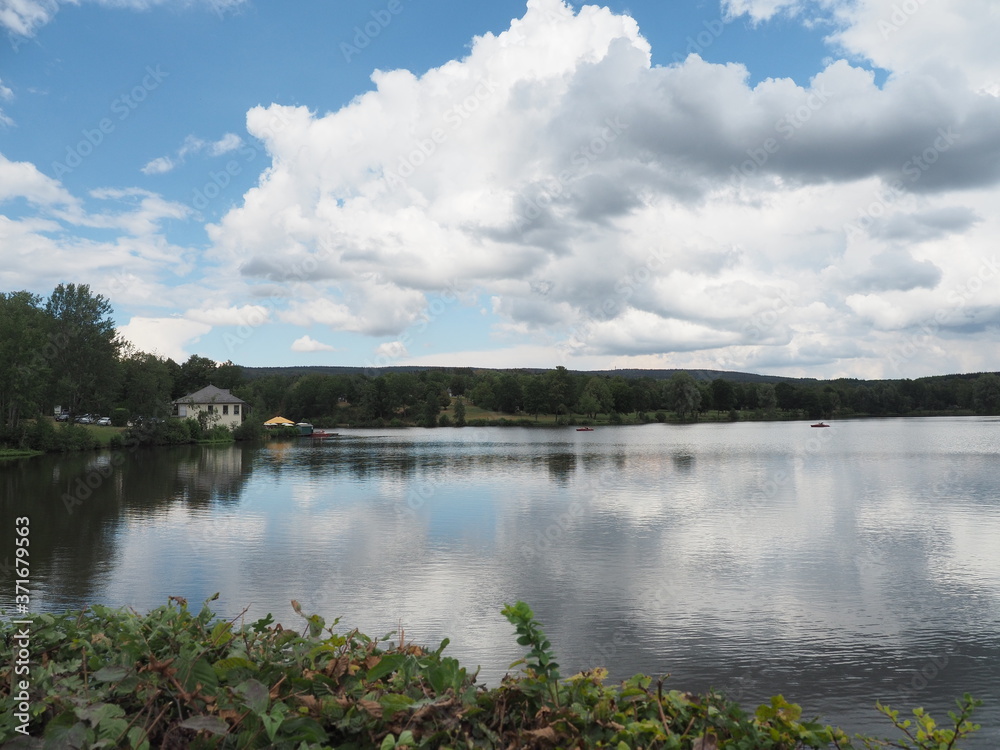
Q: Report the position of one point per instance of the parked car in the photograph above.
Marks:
(62, 417)
(104, 421)
(84, 419)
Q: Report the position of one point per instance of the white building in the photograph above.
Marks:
(224, 408)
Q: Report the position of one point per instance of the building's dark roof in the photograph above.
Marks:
(210, 395)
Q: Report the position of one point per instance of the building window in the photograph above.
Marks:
(211, 409)
(225, 409)
(236, 408)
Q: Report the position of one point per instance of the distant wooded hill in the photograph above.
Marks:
(252, 373)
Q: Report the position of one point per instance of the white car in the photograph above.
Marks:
(104, 421)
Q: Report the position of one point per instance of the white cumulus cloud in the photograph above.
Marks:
(614, 208)
(309, 344)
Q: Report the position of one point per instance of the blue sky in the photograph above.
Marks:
(780, 186)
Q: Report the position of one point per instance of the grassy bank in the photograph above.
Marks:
(17, 453)
(176, 679)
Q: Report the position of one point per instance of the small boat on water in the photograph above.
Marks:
(820, 424)
(323, 434)
(584, 429)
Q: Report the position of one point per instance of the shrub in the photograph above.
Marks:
(250, 429)
(41, 436)
(172, 678)
(220, 433)
(74, 437)
(195, 429)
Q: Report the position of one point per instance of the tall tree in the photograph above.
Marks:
(723, 395)
(376, 400)
(536, 394)
(621, 395)
(508, 393)
(195, 374)
(146, 384)
(85, 363)
(598, 389)
(986, 393)
(26, 349)
(685, 396)
(561, 391)
(767, 397)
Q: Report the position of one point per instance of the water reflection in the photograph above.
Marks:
(838, 568)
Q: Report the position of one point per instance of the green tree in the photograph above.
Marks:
(27, 348)
(146, 384)
(767, 397)
(588, 405)
(621, 396)
(685, 396)
(376, 401)
(457, 384)
(459, 412)
(986, 394)
(536, 394)
(431, 407)
(194, 375)
(85, 369)
(228, 376)
(787, 396)
(508, 394)
(482, 394)
(600, 391)
(562, 393)
(723, 395)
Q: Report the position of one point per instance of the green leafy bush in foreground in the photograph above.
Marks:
(174, 679)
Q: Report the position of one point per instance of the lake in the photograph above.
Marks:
(836, 566)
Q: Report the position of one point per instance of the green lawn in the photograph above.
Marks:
(102, 434)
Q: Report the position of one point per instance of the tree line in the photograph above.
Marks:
(63, 351)
(424, 397)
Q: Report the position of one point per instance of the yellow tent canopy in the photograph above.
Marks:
(278, 421)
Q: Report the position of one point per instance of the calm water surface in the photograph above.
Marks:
(837, 566)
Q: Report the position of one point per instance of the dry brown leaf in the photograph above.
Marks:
(371, 707)
(336, 667)
(546, 734)
(309, 701)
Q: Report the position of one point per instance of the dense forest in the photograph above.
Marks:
(63, 352)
